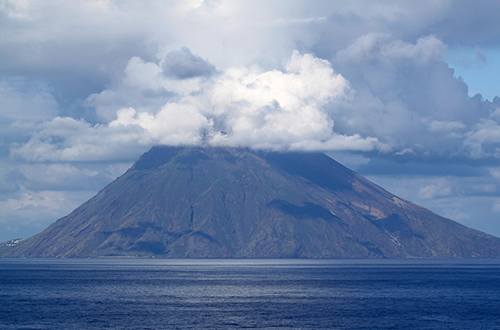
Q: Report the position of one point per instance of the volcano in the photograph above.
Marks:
(195, 202)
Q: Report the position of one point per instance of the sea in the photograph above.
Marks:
(249, 294)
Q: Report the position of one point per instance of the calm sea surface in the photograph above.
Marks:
(249, 294)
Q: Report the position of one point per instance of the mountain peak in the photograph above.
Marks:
(194, 202)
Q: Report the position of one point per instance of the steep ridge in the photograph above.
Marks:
(237, 203)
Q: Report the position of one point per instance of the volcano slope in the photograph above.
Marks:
(237, 203)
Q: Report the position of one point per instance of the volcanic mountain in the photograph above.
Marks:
(237, 203)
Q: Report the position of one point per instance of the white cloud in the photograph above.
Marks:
(482, 141)
(278, 108)
(174, 124)
(434, 191)
(32, 202)
(400, 98)
(292, 108)
(66, 139)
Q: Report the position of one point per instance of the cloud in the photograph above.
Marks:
(384, 49)
(25, 100)
(30, 203)
(408, 98)
(65, 139)
(18, 10)
(26, 212)
(396, 98)
(466, 60)
(435, 191)
(443, 126)
(278, 108)
(496, 206)
(144, 87)
(64, 176)
(182, 64)
(483, 140)
(174, 124)
(464, 24)
(384, 95)
(291, 108)
(11, 179)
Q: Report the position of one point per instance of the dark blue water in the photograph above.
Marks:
(254, 294)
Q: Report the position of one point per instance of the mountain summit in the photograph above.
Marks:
(237, 203)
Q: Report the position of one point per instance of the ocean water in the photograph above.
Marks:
(249, 294)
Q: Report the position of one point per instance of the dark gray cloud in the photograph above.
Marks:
(183, 64)
(468, 24)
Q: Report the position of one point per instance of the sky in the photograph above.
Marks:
(403, 92)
